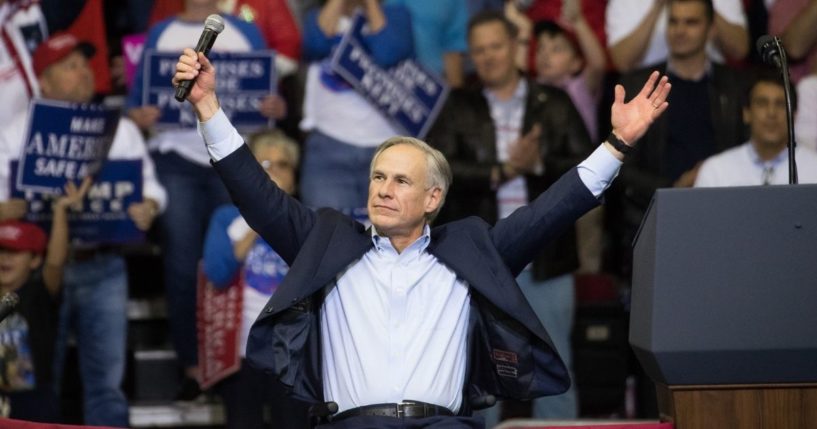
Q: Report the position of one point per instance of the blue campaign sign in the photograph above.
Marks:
(408, 94)
(64, 141)
(104, 216)
(244, 79)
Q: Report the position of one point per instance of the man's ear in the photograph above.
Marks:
(434, 199)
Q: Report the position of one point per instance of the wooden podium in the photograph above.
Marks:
(756, 406)
(724, 306)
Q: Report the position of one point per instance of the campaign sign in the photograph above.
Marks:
(64, 141)
(244, 79)
(104, 215)
(218, 324)
(408, 94)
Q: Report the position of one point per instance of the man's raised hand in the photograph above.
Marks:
(202, 96)
(631, 120)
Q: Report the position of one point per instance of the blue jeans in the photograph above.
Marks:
(193, 193)
(334, 174)
(553, 301)
(94, 308)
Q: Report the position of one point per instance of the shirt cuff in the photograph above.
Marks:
(220, 136)
(598, 170)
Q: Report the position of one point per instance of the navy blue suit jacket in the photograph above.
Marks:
(510, 354)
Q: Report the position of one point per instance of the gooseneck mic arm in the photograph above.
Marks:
(212, 27)
(771, 52)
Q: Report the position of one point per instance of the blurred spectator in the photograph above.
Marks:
(272, 17)
(184, 168)
(573, 60)
(636, 31)
(344, 128)
(805, 121)
(232, 247)
(592, 11)
(29, 334)
(439, 35)
(763, 160)
(95, 287)
(507, 141)
(23, 27)
(795, 21)
(703, 118)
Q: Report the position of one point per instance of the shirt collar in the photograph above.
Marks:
(707, 71)
(382, 243)
(774, 162)
(519, 93)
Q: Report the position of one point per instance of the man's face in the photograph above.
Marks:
(492, 51)
(688, 29)
(278, 166)
(555, 58)
(766, 115)
(16, 266)
(399, 196)
(70, 79)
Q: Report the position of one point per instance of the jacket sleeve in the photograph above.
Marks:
(281, 220)
(520, 236)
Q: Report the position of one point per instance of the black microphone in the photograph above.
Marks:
(8, 303)
(770, 50)
(212, 26)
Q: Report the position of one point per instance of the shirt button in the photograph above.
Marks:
(270, 309)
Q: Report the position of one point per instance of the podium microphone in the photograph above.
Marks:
(212, 27)
(771, 52)
(8, 303)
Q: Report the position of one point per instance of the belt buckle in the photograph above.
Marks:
(401, 411)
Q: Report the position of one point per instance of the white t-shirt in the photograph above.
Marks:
(740, 166)
(624, 16)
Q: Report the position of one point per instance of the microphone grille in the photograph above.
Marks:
(763, 42)
(214, 23)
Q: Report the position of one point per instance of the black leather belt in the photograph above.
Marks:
(404, 410)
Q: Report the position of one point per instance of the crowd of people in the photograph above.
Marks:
(531, 82)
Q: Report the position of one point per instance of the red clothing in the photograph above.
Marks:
(272, 17)
(592, 10)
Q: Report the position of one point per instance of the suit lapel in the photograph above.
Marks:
(484, 274)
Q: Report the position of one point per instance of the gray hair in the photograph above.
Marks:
(276, 138)
(438, 171)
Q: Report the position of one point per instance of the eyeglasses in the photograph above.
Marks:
(276, 165)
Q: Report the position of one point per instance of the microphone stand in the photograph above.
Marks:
(784, 70)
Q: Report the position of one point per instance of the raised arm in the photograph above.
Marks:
(57, 253)
(520, 236)
(281, 220)
(627, 51)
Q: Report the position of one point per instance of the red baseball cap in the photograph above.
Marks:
(19, 235)
(58, 47)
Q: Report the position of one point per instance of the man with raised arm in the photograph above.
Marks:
(402, 321)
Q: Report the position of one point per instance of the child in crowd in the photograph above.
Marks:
(31, 266)
(569, 56)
